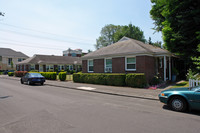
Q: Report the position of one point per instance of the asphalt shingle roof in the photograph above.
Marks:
(11, 53)
(126, 46)
(51, 59)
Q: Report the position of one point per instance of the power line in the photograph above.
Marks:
(43, 32)
(47, 38)
(29, 46)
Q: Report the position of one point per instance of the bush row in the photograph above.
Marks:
(20, 73)
(10, 73)
(49, 75)
(132, 80)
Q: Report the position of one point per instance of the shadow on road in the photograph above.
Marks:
(192, 112)
(4, 97)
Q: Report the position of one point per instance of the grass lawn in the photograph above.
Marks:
(181, 84)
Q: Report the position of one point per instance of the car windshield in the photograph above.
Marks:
(35, 75)
(196, 88)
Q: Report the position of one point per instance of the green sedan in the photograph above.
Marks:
(181, 99)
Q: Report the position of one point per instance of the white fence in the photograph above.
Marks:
(193, 82)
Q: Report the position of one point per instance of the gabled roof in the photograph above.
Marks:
(51, 59)
(124, 47)
(11, 53)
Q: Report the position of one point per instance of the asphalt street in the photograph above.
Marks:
(49, 109)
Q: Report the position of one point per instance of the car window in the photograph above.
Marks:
(35, 75)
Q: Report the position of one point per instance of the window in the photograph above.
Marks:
(90, 66)
(19, 59)
(131, 63)
(60, 67)
(49, 67)
(0, 58)
(9, 61)
(108, 65)
(32, 67)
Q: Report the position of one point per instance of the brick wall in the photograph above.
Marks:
(99, 65)
(118, 65)
(144, 64)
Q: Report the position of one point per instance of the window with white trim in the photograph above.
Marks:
(108, 65)
(90, 66)
(32, 67)
(130, 63)
(60, 67)
(9, 61)
(49, 67)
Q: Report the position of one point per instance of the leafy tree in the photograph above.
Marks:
(2, 14)
(107, 36)
(113, 33)
(179, 21)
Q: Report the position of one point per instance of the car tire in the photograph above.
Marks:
(42, 83)
(22, 81)
(28, 82)
(178, 104)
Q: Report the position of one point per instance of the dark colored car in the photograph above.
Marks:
(7, 71)
(180, 99)
(31, 78)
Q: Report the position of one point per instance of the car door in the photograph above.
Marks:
(196, 99)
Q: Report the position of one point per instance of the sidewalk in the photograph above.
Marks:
(111, 90)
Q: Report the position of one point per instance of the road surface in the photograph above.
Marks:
(48, 109)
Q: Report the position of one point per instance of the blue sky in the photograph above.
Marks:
(51, 26)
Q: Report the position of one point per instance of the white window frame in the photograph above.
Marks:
(130, 63)
(32, 67)
(105, 64)
(48, 67)
(9, 61)
(60, 67)
(88, 66)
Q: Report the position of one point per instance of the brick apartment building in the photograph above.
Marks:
(129, 56)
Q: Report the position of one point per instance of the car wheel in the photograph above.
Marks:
(178, 104)
(42, 83)
(22, 82)
(29, 83)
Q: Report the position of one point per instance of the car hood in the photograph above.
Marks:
(177, 89)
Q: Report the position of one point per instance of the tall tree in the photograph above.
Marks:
(179, 21)
(113, 33)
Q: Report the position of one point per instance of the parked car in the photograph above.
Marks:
(31, 78)
(181, 99)
(7, 71)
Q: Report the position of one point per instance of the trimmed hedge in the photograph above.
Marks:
(20, 73)
(62, 76)
(132, 80)
(49, 75)
(136, 80)
(10, 73)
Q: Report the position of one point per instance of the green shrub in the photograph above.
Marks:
(50, 70)
(20, 73)
(34, 71)
(49, 75)
(136, 80)
(100, 78)
(62, 76)
(10, 73)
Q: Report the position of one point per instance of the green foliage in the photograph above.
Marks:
(113, 33)
(34, 71)
(136, 80)
(72, 71)
(192, 75)
(49, 75)
(20, 73)
(50, 70)
(155, 80)
(62, 76)
(133, 80)
(10, 73)
(179, 22)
